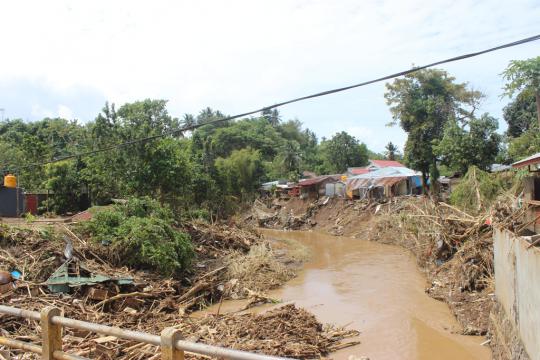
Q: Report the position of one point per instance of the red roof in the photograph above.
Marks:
(531, 160)
(359, 171)
(386, 163)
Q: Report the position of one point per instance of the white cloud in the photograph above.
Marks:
(65, 112)
(41, 112)
(242, 54)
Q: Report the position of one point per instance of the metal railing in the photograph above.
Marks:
(171, 344)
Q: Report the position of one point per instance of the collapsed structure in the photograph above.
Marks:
(384, 182)
(381, 178)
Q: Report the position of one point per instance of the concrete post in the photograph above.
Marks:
(51, 334)
(169, 337)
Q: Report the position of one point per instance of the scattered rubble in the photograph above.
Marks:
(231, 263)
(454, 247)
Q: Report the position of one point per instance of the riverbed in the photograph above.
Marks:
(378, 290)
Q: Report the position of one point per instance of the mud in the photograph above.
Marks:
(378, 290)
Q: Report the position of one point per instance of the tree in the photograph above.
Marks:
(524, 74)
(423, 102)
(475, 142)
(521, 114)
(272, 116)
(526, 145)
(391, 151)
(241, 172)
(65, 184)
(343, 151)
(291, 157)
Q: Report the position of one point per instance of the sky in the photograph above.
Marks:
(67, 58)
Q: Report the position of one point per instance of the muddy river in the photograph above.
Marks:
(378, 290)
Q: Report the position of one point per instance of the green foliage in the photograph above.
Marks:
(521, 114)
(343, 151)
(524, 75)
(521, 74)
(477, 190)
(241, 172)
(141, 235)
(215, 169)
(147, 207)
(423, 102)
(475, 142)
(65, 184)
(391, 151)
(525, 145)
(152, 243)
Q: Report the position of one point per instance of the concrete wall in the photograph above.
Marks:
(517, 287)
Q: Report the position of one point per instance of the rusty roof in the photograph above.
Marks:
(319, 180)
(531, 160)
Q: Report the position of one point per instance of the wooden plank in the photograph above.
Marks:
(51, 334)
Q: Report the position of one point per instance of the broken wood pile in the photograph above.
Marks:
(285, 331)
(455, 248)
(150, 303)
(215, 240)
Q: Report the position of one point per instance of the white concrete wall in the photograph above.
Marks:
(517, 287)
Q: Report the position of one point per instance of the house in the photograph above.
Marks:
(316, 187)
(531, 191)
(384, 182)
(336, 189)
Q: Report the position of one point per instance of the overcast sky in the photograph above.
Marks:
(66, 58)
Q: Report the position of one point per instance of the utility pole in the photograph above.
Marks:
(2, 110)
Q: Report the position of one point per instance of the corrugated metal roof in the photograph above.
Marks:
(318, 180)
(531, 160)
(358, 183)
(389, 181)
(388, 172)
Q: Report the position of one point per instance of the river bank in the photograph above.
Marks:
(374, 288)
(453, 249)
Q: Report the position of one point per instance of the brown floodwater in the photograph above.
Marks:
(378, 290)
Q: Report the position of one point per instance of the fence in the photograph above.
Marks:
(170, 342)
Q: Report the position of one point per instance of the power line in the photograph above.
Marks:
(319, 94)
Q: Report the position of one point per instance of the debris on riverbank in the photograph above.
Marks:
(454, 248)
(230, 263)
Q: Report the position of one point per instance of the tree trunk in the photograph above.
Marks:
(424, 183)
(538, 107)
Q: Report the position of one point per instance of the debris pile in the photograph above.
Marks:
(454, 247)
(214, 241)
(80, 279)
(285, 331)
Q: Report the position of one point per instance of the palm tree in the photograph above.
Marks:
(391, 151)
(291, 156)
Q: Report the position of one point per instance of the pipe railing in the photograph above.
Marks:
(171, 344)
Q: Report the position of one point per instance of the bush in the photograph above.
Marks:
(141, 234)
(152, 243)
(147, 207)
(477, 190)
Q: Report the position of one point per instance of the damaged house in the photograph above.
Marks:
(316, 187)
(385, 182)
